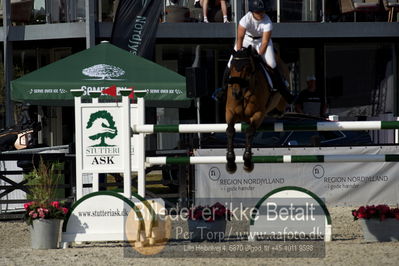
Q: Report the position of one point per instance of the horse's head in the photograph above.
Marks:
(241, 70)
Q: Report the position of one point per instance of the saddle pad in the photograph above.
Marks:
(266, 75)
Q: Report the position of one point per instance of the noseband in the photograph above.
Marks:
(242, 82)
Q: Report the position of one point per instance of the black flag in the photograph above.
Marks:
(135, 26)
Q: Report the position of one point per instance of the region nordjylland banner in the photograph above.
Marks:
(339, 184)
(135, 26)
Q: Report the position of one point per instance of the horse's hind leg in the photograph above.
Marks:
(248, 164)
(231, 166)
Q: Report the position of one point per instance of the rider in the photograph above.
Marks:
(255, 29)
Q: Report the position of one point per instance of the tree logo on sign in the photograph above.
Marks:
(103, 72)
(104, 124)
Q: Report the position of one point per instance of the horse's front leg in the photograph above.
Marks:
(231, 166)
(248, 164)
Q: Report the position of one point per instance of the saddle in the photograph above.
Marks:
(267, 74)
(276, 81)
(19, 137)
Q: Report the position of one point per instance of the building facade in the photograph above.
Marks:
(353, 53)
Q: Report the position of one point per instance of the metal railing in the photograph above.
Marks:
(51, 11)
(13, 188)
(285, 10)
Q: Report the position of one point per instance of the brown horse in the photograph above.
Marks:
(249, 100)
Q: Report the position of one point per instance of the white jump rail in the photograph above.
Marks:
(271, 127)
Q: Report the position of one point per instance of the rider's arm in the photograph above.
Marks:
(265, 41)
(240, 37)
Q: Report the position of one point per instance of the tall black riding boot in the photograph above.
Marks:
(279, 84)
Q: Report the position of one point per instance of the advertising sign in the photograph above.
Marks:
(353, 184)
(135, 26)
(102, 138)
(91, 221)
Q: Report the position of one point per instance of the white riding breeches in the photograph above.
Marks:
(267, 57)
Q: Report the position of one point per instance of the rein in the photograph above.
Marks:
(241, 62)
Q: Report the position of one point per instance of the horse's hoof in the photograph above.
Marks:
(248, 167)
(230, 156)
(231, 168)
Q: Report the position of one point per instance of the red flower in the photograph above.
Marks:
(362, 212)
(45, 210)
(395, 213)
(55, 204)
(381, 212)
(64, 210)
(27, 205)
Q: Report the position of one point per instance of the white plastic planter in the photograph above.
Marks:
(375, 230)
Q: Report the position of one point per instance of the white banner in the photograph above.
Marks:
(340, 184)
(102, 138)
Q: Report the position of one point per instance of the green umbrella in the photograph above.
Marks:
(96, 69)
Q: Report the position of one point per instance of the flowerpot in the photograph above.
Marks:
(45, 233)
(382, 231)
(210, 231)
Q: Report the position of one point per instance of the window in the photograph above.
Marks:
(360, 79)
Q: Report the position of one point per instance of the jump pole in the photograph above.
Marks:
(138, 127)
(336, 158)
(267, 127)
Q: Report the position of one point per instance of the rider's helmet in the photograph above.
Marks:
(257, 6)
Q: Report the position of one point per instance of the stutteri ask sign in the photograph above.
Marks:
(102, 138)
(102, 141)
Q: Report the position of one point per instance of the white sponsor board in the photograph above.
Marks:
(102, 141)
(102, 138)
(91, 221)
(291, 213)
(340, 184)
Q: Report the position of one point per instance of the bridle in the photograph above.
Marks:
(240, 63)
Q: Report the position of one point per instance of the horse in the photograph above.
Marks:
(249, 100)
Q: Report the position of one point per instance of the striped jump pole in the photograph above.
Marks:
(271, 127)
(336, 158)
